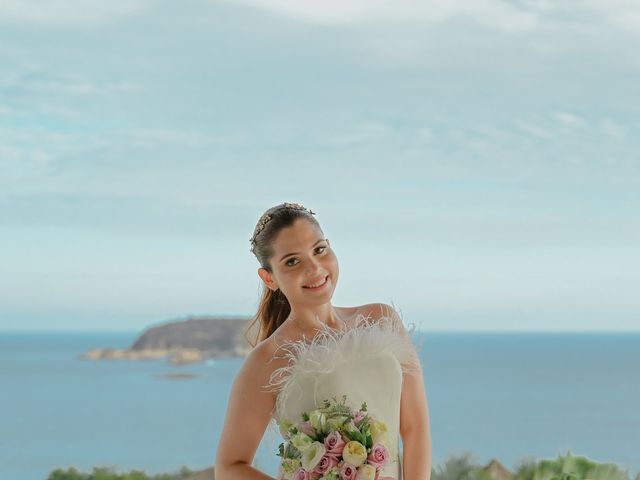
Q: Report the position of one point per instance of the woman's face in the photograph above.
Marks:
(302, 258)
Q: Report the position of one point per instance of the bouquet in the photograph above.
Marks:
(334, 443)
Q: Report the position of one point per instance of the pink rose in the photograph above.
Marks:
(326, 463)
(348, 471)
(379, 455)
(301, 474)
(305, 427)
(334, 443)
(314, 475)
(358, 416)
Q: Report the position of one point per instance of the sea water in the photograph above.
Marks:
(495, 395)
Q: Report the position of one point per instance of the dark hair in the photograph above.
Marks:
(274, 307)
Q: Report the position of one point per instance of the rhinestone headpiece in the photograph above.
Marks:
(266, 217)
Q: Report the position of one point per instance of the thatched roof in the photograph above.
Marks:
(497, 471)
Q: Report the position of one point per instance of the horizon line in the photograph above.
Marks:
(456, 331)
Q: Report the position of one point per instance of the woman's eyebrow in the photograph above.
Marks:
(296, 253)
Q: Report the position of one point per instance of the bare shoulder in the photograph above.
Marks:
(266, 357)
(259, 364)
(378, 311)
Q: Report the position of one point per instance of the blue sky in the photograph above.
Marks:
(474, 162)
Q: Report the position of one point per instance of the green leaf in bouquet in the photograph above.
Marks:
(359, 437)
(281, 450)
(369, 442)
(365, 423)
(351, 434)
(364, 406)
(292, 452)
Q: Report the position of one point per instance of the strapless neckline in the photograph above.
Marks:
(328, 347)
(359, 320)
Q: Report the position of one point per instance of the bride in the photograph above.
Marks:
(363, 352)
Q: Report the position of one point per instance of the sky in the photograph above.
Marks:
(475, 163)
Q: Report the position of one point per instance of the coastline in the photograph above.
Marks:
(183, 341)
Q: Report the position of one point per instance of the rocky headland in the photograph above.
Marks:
(190, 340)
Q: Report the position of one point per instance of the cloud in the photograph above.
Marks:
(570, 120)
(67, 12)
(515, 16)
(489, 12)
(80, 87)
(622, 13)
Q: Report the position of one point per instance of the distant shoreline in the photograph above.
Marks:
(183, 341)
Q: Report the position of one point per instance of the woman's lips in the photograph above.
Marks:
(326, 280)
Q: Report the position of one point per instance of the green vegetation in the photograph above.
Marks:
(567, 467)
(108, 473)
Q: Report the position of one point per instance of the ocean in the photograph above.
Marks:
(495, 395)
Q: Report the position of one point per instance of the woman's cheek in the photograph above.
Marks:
(334, 260)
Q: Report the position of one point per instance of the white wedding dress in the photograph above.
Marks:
(365, 362)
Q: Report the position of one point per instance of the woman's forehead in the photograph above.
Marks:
(300, 234)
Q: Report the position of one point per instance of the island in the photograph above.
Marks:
(181, 341)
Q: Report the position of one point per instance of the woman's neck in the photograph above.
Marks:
(312, 320)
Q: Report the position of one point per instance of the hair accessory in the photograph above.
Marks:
(266, 217)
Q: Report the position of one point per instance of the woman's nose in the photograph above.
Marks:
(313, 266)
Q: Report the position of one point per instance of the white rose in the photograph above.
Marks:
(312, 455)
(355, 453)
(378, 432)
(301, 440)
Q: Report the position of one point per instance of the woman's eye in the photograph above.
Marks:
(291, 265)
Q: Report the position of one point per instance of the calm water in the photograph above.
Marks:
(503, 396)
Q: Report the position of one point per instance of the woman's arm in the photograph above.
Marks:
(416, 454)
(414, 418)
(248, 414)
(414, 428)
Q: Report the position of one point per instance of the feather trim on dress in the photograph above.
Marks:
(331, 348)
